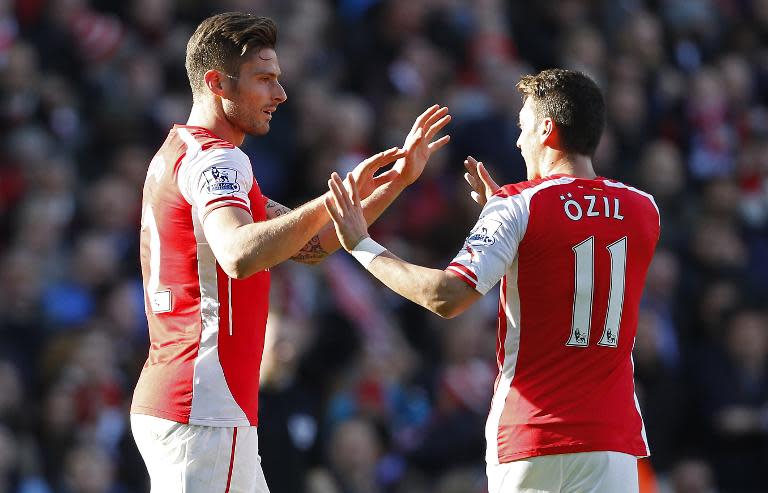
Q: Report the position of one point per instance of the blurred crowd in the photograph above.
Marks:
(363, 392)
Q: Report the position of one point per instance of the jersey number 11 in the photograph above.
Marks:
(584, 254)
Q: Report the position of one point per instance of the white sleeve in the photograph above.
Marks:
(491, 247)
(216, 178)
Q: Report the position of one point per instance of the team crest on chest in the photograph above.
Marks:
(221, 181)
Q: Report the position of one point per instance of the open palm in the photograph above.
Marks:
(364, 172)
(419, 145)
(346, 211)
(483, 186)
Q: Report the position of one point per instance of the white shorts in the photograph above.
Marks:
(583, 472)
(185, 458)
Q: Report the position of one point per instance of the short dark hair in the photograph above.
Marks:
(573, 101)
(221, 41)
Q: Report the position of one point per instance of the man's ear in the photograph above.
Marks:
(548, 134)
(214, 82)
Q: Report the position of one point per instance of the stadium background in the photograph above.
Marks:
(363, 393)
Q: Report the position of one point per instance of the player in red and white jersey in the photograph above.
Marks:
(208, 239)
(571, 250)
(203, 354)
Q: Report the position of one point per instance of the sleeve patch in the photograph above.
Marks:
(220, 181)
(483, 233)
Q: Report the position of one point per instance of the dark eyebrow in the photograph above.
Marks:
(276, 75)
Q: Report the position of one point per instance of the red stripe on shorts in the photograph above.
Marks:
(231, 460)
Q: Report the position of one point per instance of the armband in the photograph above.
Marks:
(366, 251)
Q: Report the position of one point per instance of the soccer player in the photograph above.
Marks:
(208, 239)
(571, 250)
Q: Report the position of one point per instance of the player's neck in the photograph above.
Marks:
(559, 163)
(208, 115)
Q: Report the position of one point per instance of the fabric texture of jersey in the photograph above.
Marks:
(206, 330)
(572, 255)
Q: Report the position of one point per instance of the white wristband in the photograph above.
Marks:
(366, 251)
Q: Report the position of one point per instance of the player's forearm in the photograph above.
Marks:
(434, 289)
(326, 242)
(262, 245)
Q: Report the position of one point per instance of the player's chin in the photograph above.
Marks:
(261, 128)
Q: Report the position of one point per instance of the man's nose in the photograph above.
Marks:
(280, 95)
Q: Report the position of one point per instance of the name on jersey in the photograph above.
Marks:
(577, 208)
(221, 181)
(483, 233)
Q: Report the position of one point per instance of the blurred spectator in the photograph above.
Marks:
(288, 412)
(71, 302)
(661, 172)
(89, 470)
(734, 394)
(463, 387)
(462, 481)
(692, 476)
(660, 301)
(355, 452)
(20, 321)
(659, 388)
(14, 474)
(88, 89)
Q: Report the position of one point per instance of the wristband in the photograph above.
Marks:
(367, 250)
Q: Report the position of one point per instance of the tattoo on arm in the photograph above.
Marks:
(311, 253)
(276, 210)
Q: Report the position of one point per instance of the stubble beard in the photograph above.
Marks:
(248, 124)
(238, 115)
(258, 129)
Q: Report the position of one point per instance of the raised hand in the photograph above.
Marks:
(364, 172)
(343, 205)
(419, 144)
(483, 186)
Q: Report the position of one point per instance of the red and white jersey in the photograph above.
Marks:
(206, 330)
(572, 255)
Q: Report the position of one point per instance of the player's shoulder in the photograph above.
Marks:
(630, 191)
(530, 187)
(201, 138)
(205, 149)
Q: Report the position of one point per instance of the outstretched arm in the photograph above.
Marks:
(436, 290)
(378, 192)
(325, 242)
(243, 247)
